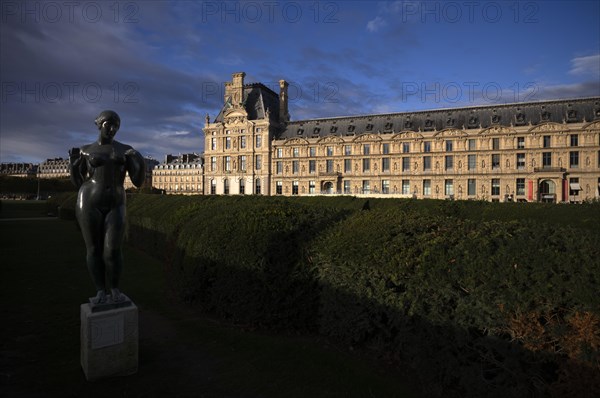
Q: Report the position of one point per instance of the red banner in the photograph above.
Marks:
(530, 190)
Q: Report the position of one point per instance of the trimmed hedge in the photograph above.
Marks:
(480, 299)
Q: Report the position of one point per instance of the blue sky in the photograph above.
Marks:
(161, 64)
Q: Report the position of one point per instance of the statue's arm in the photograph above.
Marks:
(77, 167)
(136, 167)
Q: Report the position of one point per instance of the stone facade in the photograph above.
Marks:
(540, 151)
(18, 169)
(181, 174)
(54, 168)
(150, 164)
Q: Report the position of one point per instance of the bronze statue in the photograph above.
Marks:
(98, 171)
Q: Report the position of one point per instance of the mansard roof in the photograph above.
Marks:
(258, 98)
(475, 117)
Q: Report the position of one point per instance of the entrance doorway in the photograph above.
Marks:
(547, 191)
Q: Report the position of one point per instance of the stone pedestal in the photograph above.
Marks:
(109, 341)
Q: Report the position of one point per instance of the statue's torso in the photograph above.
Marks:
(106, 165)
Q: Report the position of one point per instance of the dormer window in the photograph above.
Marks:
(388, 126)
(351, 128)
(369, 127)
(333, 129)
(317, 130)
(300, 131)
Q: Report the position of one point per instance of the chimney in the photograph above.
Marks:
(284, 115)
(237, 89)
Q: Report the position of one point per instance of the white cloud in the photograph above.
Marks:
(375, 24)
(589, 65)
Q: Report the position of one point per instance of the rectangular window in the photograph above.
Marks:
(295, 188)
(347, 165)
(472, 144)
(213, 143)
(329, 166)
(347, 186)
(278, 167)
(520, 161)
(366, 149)
(258, 142)
(495, 186)
(385, 186)
(386, 149)
(574, 140)
(520, 142)
(547, 159)
(495, 161)
(312, 166)
(279, 153)
(471, 162)
(227, 142)
(449, 187)
(427, 146)
(243, 142)
(311, 187)
(296, 152)
(574, 159)
(366, 165)
(348, 150)
(329, 151)
(426, 187)
(405, 187)
(471, 187)
(312, 151)
(385, 164)
(226, 187)
(213, 163)
(405, 164)
(426, 163)
(295, 166)
(449, 161)
(520, 191)
(227, 163)
(258, 162)
(243, 162)
(242, 186)
(449, 146)
(257, 187)
(406, 147)
(495, 144)
(278, 187)
(547, 141)
(213, 187)
(366, 186)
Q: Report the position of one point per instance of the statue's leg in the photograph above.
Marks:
(91, 222)
(113, 242)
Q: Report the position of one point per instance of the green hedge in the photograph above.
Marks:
(480, 299)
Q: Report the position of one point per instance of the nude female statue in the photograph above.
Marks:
(98, 170)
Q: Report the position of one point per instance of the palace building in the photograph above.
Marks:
(182, 174)
(531, 152)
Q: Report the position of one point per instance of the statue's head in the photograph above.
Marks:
(108, 123)
(107, 116)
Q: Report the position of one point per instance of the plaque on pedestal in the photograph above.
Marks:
(109, 341)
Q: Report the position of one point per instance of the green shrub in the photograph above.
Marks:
(481, 299)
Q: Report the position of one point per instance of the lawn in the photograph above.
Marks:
(43, 280)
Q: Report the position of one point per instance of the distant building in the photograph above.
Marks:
(532, 152)
(18, 169)
(183, 174)
(150, 164)
(54, 168)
